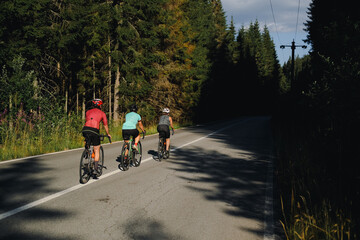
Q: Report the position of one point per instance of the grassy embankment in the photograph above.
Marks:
(21, 138)
(313, 200)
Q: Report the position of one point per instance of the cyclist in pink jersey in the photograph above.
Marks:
(92, 125)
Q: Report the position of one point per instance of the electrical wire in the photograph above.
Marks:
(297, 20)
(272, 11)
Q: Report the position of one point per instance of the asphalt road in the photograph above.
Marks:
(217, 184)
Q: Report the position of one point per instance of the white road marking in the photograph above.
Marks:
(58, 194)
(268, 211)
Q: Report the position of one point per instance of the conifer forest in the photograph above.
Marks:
(57, 55)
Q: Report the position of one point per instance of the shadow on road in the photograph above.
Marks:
(238, 168)
(18, 183)
(142, 228)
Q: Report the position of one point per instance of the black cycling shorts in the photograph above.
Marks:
(164, 131)
(127, 133)
(92, 135)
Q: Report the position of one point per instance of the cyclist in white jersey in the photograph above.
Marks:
(165, 122)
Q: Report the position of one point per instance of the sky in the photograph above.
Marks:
(290, 16)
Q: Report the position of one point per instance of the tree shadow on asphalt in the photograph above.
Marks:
(142, 228)
(240, 175)
(17, 187)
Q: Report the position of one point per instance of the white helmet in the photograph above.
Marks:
(166, 110)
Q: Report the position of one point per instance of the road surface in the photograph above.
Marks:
(217, 184)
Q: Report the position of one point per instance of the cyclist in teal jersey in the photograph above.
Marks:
(132, 119)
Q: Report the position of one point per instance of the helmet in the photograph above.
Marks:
(97, 102)
(133, 108)
(166, 110)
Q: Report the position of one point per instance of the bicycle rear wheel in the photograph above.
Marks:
(85, 167)
(101, 162)
(137, 155)
(160, 149)
(124, 161)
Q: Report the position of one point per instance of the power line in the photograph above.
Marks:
(297, 20)
(272, 11)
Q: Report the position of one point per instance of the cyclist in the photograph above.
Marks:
(132, 119)
(92, 125)
(165, 122)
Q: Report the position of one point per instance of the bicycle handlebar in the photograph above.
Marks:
(143, 133)
(102, 138)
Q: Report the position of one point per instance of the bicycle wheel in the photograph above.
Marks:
(101, 162)
(160, 149)
(124, 161)
(137, 155)
(84, 167)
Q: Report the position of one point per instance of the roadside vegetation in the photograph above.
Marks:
(316, 129)
(55, 56)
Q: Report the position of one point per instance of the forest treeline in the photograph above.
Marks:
(156, 53)
(318, 127)
(57, 55)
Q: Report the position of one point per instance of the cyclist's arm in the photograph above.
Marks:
(106, 126)
(141, 126)
(171, 123)
(107, 130)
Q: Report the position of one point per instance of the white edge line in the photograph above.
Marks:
(76, 187)
(56, 195)
(58, 152)
(268, 210)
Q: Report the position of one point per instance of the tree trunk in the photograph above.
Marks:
(77, 103)
(94, 77)
(109, 81)
(116, 95)
(83, 106)
(66, 100)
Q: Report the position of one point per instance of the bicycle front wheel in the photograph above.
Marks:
(85, 167)
(137, 155)
(124, 161)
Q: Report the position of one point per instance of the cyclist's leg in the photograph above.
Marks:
(167, 136)
(126, 137)
(96, 144)
(167, 144)
(136, 136)
(97, 153)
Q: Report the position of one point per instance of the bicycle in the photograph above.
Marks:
(162, 153)
(87, 161)
(130, 156)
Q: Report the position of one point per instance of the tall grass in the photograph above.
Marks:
(311, 203)
(28, 135)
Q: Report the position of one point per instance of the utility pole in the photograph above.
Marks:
(293, 47)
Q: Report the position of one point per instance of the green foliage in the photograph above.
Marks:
(155, 53)
(319, 154)
(17, 89)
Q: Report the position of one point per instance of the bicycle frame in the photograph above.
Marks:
(128, 154)
(161, 148)
(87, 161)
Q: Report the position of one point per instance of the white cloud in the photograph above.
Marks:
(285, 13)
